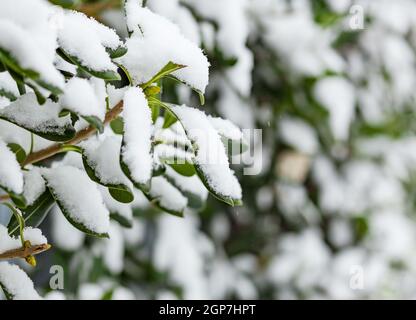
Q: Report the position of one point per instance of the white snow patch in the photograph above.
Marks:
(79, 97)
(17, 283)
(11, 177)
(168, 44)
(211, 156)
(69, 185)
(169, 197)
(137, 135)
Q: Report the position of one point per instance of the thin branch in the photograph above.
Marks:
(94, 9)
(25, 252)
(80, 136)
(4, 197)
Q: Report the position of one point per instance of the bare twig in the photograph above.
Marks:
(25, 252)
(4, 197)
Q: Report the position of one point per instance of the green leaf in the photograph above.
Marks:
(7, 294)
(199, 92)
(123, 221)
(34, 214)
(18, 151)
(125, 78)
(68, 4)
(11, 64)
(165, 71)
(95, 122)
(7, 94)
(169, 119)
(18, 199)
(117, 125)
(108, 75)
(185, 169)
(121, 193)
(117, 53)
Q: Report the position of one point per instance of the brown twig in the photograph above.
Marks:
(94, 9)
(25, 252)
(4, 197)
(80, 136)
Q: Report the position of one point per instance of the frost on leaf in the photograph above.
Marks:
(136, 154)
(16, 284)
(210, 159)
(79, 199)
(42, 120)
(167, 44)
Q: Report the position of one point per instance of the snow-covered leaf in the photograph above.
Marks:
(16, 284)
(41, 120)
(8, 87)
(27, 43)
(79, 199)
(11, 176)
(211, 162)
(79, 97)
(167, 197)
(168, 44)
(231, 135)
(190, 186)
(136, 158)
(101, 162)
(39, 201)
(83, 41)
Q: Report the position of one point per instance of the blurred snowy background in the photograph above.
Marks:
(331, 214)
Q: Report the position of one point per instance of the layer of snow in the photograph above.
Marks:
(113, 249)
(11, 177)
(8, 84)
(226, 128)
(69, 185)
(83, 38)
(168, 45)
(17, 283)
(171, 154)
(211, 156)
(65, 236)
(299, 135)
(338, 96)
(27, 113)
(79, 97)
(34, 185)
(115, 95)
(34, 235)
(104, 157)
(31, 43)
(188, 184)
(137, 135)
(167, 195)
